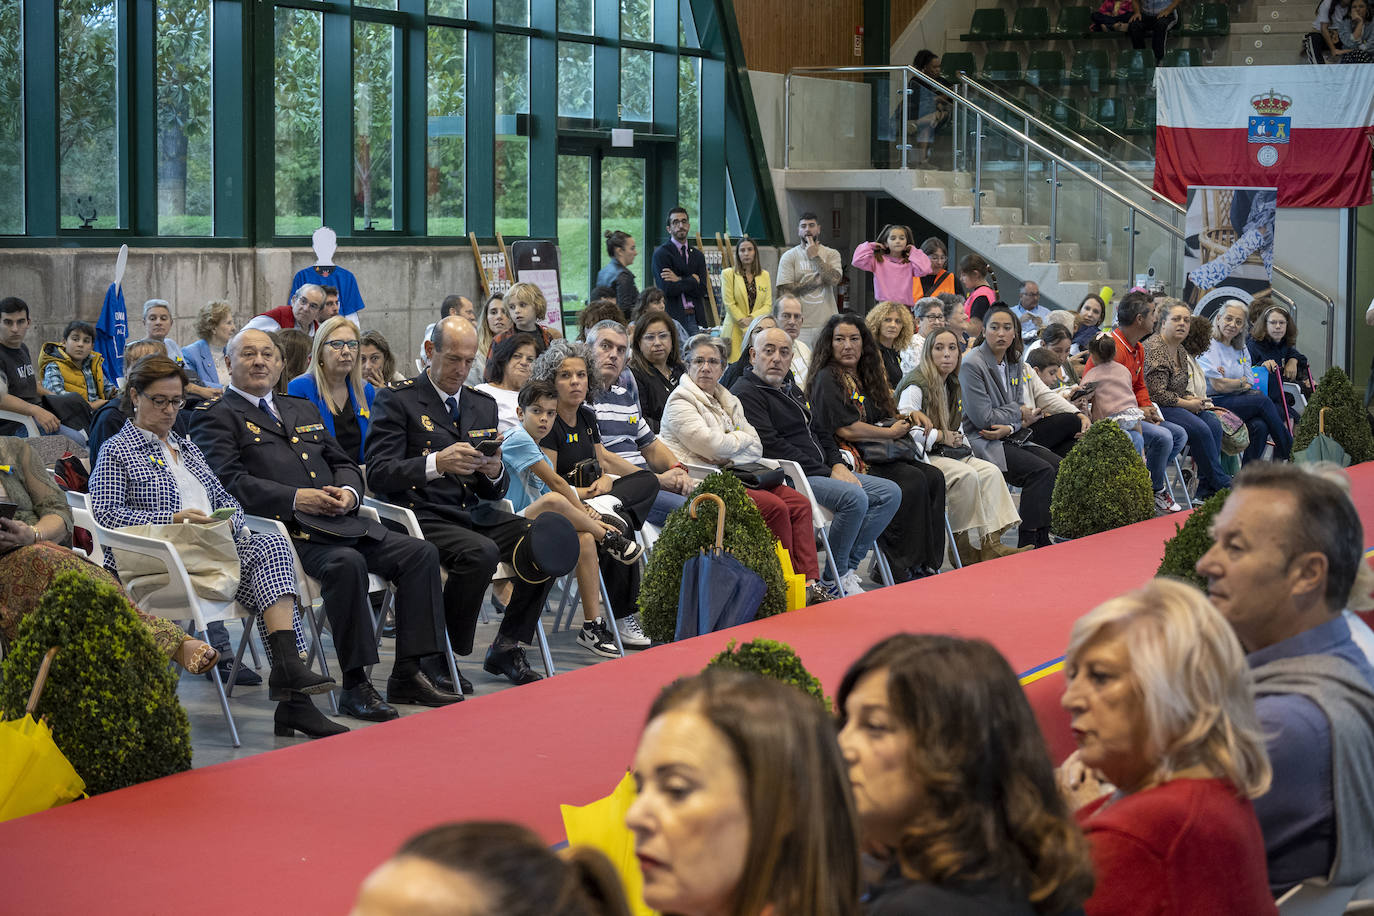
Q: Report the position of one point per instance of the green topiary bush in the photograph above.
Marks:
(1346, 421)
(1102, 484)
(770, 658)
(1191, 541)
(110, 697)
(746, 536)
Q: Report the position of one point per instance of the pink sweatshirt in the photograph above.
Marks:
(1113, 393)
(892, 278)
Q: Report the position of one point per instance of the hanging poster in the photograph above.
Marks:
(1228, 245)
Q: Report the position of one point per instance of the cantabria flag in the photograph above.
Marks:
(1304, 130)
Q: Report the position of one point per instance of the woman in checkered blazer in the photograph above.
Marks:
(147, 474)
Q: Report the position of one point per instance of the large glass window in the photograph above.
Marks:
(11, 117)
(185, 123)
(637, 20)
(512, 181)
(636, 85)
(445, 149)
(622, 208)
(513, 12)
(373, 86)
(689, 133)
(456, 9)
(299, 121)
(576, 265)
(576, 82)
(575, 16)
(88, 114)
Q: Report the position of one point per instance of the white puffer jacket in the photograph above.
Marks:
(706, 429)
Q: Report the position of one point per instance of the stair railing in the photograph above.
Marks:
(1056, 161)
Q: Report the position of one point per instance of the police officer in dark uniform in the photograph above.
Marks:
(422, 452)
(276, 457)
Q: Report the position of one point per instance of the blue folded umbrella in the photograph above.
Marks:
(718, 591)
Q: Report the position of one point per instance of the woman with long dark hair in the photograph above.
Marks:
(953, 786)
(656, 363)
(851, 400)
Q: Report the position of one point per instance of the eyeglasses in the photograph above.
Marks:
(162, 403)
(679, 222)
(700, 362)
(338, 346)
(938, 316)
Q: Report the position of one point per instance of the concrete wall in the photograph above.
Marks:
(830, 121)
(401, 286)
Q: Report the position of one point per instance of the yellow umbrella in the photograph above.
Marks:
(601, 825)
(34, 775)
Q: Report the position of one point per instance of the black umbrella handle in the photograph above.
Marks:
(720, 516)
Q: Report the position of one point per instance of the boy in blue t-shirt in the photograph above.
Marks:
(536, 487)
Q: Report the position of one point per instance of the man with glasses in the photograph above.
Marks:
(275, 456)
(680, 271)
(814, 270)
(787, 312)
(1033, 315)
(303, 312)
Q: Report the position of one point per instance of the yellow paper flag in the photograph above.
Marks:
(601, 825)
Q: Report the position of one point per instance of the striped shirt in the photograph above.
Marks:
(623, 429)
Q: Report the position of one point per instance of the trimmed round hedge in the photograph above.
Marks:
(772, 659)
(1102, 484)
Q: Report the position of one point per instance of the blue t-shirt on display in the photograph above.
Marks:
(520, 454)
(350, 300)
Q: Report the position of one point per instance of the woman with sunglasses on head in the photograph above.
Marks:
(334, 384)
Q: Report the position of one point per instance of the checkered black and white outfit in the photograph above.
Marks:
(133, 483)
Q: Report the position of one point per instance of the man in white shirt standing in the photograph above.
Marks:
(814, 271)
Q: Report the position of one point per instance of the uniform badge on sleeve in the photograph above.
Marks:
(253, 427)
(426, 422)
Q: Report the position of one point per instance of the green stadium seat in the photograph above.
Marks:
(954, 61)
(1031, 23)
(1002, 66)
(1110, 114)
(1135, 65)
(1142, 119)
(1074, 22)
(1045, 69)
(1208, 20)
(988, 25)
(1090, 67)
(1182, 57)
(1064, 115)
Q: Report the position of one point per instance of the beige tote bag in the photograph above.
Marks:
(207, 551)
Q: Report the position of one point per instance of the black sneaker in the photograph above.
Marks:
(596, 637)
(247, 677)
(620, 548)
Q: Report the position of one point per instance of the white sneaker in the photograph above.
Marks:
(596, 637)
(1164, 502)
(631, 636)
(850, 584)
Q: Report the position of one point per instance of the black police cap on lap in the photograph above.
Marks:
(548, 550)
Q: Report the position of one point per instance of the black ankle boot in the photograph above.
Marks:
(289, 673)
(298, 714)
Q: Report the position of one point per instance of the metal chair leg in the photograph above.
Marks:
(884, 568)
(830, 559)
(950, 547)
(544, 643)
(245, 641)
(318, 641)
(610, 614)
(219, 688)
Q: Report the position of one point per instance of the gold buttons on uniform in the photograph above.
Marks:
(312, 473)
(295, 438)
(305, 455)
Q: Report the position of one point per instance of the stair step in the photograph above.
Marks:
(961, 197)
(1092, 271)
(1242, 33)
(1272, 52)
(936, 178)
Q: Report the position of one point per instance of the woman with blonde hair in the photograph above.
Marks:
(205, 357)
(893, 329)
(1230, 384)
(743, 808)
(953, 785)
(977, 501)
(747, 291)
(334, 383)
(1162, 705)
(525, 306)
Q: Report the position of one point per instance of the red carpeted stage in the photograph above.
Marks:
(295, 830)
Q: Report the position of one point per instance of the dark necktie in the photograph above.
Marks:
(267, 409)
(451, 403)
(687, 304)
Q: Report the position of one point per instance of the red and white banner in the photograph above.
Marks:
(1303, 130)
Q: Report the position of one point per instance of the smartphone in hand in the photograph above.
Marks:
(224, 513)
(7, 509)
(489, 447)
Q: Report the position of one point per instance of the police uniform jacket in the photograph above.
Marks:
(410, 423)
(264, 462)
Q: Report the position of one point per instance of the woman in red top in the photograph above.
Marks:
(1161, 705)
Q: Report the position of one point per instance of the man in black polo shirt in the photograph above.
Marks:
(68, 414)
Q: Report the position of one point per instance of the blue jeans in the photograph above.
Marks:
(1163, 442)
(861, 514)
(664, 503)
(1204, 438)
(1262, 419)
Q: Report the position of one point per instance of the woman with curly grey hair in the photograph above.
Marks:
(573, 446)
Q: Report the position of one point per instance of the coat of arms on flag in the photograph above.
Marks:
(1269, 127)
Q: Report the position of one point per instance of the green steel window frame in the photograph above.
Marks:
(244, 131)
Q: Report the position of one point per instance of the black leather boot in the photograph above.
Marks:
(298, 714)
(289, 673)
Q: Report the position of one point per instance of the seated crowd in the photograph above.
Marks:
(1224, 751)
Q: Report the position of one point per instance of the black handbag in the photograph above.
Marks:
(952, 452)
(886, 451)
(585, 473)
(756, 476)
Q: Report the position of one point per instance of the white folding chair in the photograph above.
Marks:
(24, 420)
(1310, 899)
(399, 515)
(173, 600)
